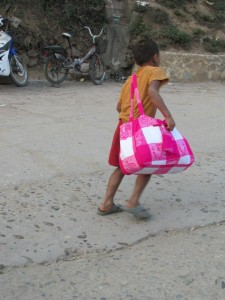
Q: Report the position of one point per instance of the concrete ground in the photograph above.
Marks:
(54, 171)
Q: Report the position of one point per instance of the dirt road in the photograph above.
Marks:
(53, 157)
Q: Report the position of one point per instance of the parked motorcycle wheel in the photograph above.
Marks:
(18, 71)
(97, 69)
(54, 71)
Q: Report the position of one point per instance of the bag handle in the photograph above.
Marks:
(134, 90)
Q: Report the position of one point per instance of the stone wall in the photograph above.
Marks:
(190, 67)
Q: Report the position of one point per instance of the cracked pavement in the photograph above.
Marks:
(54, 171)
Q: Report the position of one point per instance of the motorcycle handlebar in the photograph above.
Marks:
(3, 21)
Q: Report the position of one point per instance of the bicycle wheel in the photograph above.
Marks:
(54, 71)
(97, 69)
(18, 71)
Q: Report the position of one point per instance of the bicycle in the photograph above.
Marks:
(58, 61)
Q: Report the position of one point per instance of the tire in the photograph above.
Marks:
(18, 71)
(97, 69)
(54, 71)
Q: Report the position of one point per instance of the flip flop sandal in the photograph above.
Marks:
(115, 209)
(138, 211)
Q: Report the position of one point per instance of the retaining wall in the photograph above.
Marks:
(188, 67)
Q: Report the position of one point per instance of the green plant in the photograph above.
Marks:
(211, 20)
(75, 13)
(158, 16)
(177, 37)
(163, 45)
(138, 28)
(197, 34)
(218, 5)
(178, 13)
(220, 17)
(174, 3)
(214, 45)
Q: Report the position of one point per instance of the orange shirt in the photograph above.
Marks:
(145, 75)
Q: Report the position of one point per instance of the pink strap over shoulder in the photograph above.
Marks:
(134, 91)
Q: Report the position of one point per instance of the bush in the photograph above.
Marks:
(215, 21)
(158, 16)
(174, 3)
(138, 29)
(218, 5)
(213, 45)
(197, 34)
(177, 37)
(178, 13)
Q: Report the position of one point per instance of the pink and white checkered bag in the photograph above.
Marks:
(147, 147)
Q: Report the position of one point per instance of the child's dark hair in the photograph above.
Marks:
(144, 50)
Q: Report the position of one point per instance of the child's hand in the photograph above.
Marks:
(170, 123)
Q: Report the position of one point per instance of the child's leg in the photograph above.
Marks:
(140, 184)
(113, 184)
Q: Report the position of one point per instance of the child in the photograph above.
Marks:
(150, 78)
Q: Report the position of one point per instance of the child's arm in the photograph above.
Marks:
(157, 100)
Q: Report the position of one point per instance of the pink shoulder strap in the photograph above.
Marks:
(134, 91)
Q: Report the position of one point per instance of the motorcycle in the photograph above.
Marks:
(11, 64)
